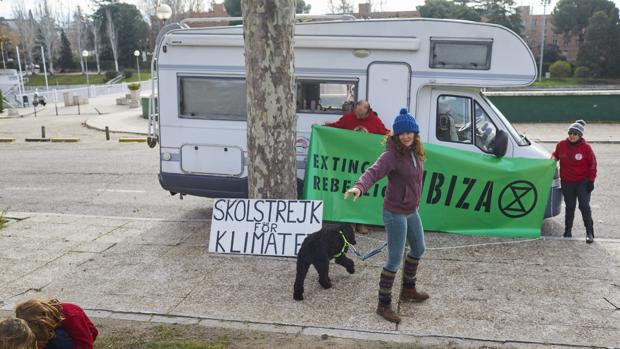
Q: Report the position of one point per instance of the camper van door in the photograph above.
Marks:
(388, 89)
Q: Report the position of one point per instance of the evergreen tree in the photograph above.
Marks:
(65, 59)
(601, 46)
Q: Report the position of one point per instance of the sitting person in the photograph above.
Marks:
(362, 119)
(15, 334)
(50, 318)
(446, 130)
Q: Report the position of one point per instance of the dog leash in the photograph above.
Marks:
(369, 254)
(357, 253)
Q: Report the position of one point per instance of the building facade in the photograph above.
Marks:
(532, 34)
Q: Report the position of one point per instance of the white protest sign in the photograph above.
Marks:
(263, 227)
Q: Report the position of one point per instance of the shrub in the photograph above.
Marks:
(560, 69)
(127, 74)
(109, 75)
(583, 72)
(134, 86)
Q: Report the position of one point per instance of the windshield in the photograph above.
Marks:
(519, 138)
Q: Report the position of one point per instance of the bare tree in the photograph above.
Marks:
(95, 27)
(194, 6)
(148, 7)
(27, 28)
(113, 36)
(376, 5)
(78, 21)
(49, 32)
(340, 6)
(268, 28)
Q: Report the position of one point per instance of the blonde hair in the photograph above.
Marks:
(15, 334)
(42, 316)
(417, 146)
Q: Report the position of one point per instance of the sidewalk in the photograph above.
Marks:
(501, 291)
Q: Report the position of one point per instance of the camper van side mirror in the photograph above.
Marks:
(501, 143)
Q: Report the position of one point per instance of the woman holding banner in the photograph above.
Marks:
(403, 163)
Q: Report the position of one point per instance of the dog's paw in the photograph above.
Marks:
(326, 284)
(351, 269)
(298, 297)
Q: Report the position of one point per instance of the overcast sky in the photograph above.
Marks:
(318, 6)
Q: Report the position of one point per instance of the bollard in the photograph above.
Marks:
(107, 133)
(42, 131)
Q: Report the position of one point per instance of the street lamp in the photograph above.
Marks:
(163, 12)
(85, 55)
(137, 54)
(542, 38)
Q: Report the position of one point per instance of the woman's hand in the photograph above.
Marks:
(356, 193)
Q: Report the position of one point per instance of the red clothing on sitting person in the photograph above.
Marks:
(78, 325)
(577, 161)
(372, 123)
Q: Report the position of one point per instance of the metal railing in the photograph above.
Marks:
(55, 95)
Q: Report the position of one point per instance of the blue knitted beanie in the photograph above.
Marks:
(405, 122)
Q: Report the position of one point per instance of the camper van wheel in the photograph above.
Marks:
(151, 141)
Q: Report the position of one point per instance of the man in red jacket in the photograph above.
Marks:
(577, 173)
(363, 119)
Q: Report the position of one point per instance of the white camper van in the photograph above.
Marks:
(437, 68)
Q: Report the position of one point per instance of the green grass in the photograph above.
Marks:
(158, 337)
(78, 79)
(64, 79)
(556, 82)
(3, 221)
(134, 77)
(572, 81)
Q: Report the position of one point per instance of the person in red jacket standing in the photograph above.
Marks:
(48, 318)
(363, 119)
(577, 173)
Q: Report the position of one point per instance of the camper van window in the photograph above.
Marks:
(485, 130)
(519, 138)
(325, 97)
(212, 98)
(452, 54)
(454, 119)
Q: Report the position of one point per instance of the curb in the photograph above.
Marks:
(37, 139)
(393, 336)
(113, 131)
(7, 140)
(65, 140)
(131, 140)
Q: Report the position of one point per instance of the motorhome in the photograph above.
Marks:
(437, 68)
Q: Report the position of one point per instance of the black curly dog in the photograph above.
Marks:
(318, 249)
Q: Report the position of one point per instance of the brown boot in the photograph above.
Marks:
(411, 295)
(408, 293)
(386, 312)
(385, 296)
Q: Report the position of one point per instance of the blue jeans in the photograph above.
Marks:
(400, 227)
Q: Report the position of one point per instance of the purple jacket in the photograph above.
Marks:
(404, 179)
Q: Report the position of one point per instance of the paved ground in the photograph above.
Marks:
(91, 225)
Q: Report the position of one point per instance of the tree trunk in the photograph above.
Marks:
(268, 30)
(113, 36)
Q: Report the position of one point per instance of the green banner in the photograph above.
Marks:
(463, 192)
